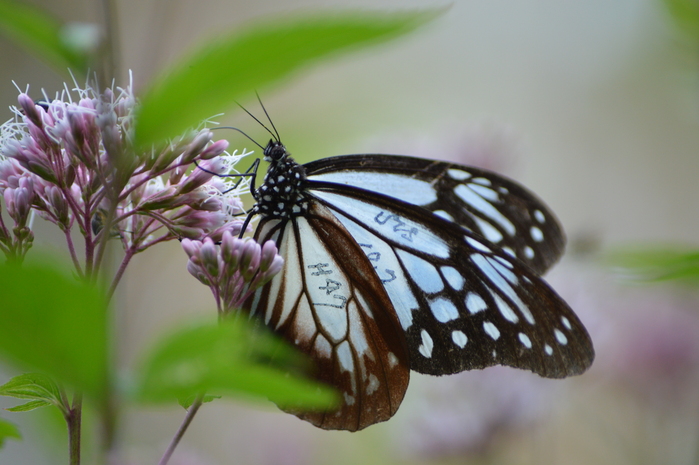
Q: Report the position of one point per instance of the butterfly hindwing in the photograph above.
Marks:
(498, 209)
(462, 303)
(328, 302)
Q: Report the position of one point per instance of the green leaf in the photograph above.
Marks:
(44, 35)
(52, 323)
(657, 263)
(232, 68)
(8, 430)
(33, 405)
(685, 13)
(41, 389)
(186, 403)
(233, 357)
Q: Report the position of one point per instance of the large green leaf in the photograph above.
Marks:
(685, 13)
(233, 357)
(43, 35)
(232, 68)
(8, 430)
(52, 323)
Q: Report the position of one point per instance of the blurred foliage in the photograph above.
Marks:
(233, 68)
(46, 37)
(235, 357)
(39, 389)
(8, 430)
(652, 264)
(55, 324)
(685, 14)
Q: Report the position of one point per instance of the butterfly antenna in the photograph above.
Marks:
(259, 122)
(268, 118)
(240, 131)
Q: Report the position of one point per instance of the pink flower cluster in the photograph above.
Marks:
(234, 269)
(74, 163)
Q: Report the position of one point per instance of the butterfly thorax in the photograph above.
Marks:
(281, 192)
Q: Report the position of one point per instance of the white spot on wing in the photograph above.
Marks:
(536, 234)
(392, 359)
(548, 349)
(509, 251)
(484, 192)
(560, 337)
(528, 252)
(566, 322)
(373, 384)
(443, 214)
(475, 303)
(427, 344)
(488, 230)
(349, 400)
(539, 216)
(443, 310)
(477, 245)
(459, 338)
(524, 339)
(453, 277)
(505, 309)
(458, 175)
(491, 330)
(483, 181)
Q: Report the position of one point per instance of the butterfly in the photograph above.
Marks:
(396, 263)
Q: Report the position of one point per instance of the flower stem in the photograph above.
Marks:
(183, 428)
(73, 419)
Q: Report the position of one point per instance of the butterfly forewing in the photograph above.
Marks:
(462, 303)
(328, 302)
(496, 208)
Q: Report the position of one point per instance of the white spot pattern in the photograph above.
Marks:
(548, 349)
(524, 339)
(539, 216)
(459, 338)
(427, 344)
(458, 175)
(560, 337)
(536, 234)
(475, 303)
(566, 322)
(491, 330)
(453, 277)
(443, 310)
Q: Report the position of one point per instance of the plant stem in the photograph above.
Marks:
(183, 428)
(73, 419)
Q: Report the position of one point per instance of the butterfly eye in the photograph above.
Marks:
(274, 151)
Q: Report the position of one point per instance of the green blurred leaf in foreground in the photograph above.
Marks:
(45, 36)
(8, 430)
(685, 13)
(54, 324)
(232, 68)
(39, 389)
(657, 263)
(233, 357)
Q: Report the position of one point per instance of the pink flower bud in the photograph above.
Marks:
(214, 150)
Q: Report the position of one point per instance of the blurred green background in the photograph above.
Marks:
(592, 105)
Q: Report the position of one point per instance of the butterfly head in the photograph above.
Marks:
(275, 151)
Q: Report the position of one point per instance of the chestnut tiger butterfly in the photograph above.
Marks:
(395, 263)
